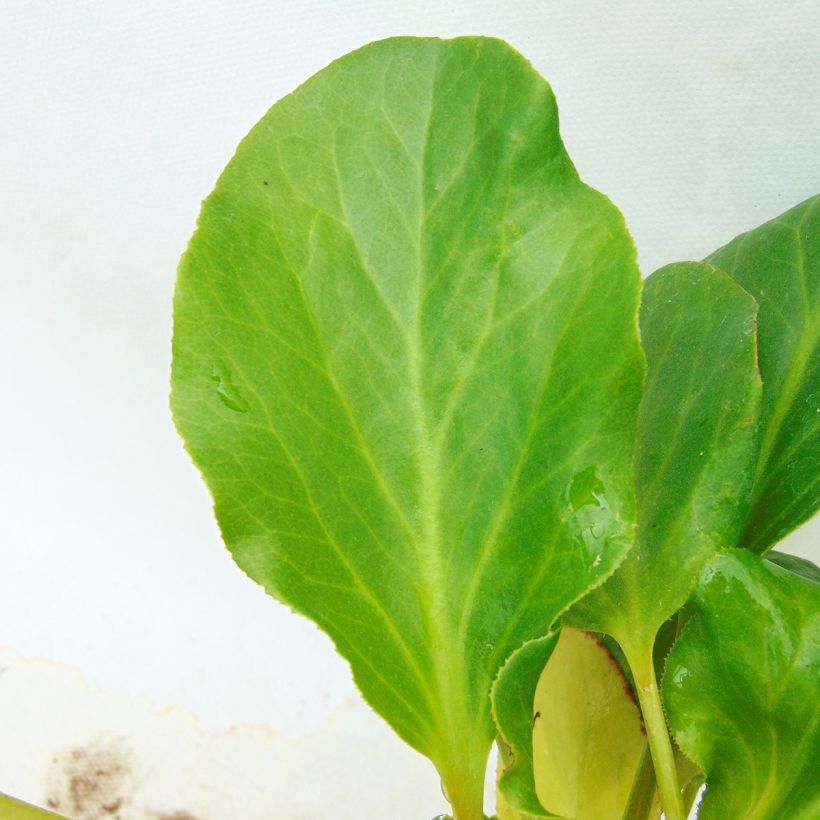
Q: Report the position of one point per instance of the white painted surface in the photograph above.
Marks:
(699, 120)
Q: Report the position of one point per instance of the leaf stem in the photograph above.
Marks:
(663, 758)
(644, 789)
(464, 791)
(467, 809)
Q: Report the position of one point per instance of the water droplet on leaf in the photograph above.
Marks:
(585, 488)
(227, 391)
(589, 516)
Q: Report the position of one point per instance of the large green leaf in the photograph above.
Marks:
(742, 689)
(571, 734)
(779, 264)
(406, 362)
(697, 438)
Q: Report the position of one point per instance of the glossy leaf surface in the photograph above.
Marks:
(570, 728)
(406, 362)
(779, 264)
(742, 689)
(697, 439)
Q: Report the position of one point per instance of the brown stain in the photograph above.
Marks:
(627, 686)
(91, 782)
(177, 815)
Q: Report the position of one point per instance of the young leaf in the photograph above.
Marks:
(696, 447)
(571, 730)
(779, 264)
(406, 362)
(741, 689)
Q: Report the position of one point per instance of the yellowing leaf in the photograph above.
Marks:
(571, 733)
(587, 735)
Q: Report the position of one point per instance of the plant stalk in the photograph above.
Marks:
(660, 745)
(644, 789)
(467, 810)
(464, 791)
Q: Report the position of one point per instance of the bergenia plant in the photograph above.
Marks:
(529, 497)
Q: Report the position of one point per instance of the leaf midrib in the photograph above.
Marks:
(448, 658)
(426, 540)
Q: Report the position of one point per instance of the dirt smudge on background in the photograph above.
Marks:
(92, 781)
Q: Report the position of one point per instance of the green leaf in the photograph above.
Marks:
(697, 439)
(505, 811)
(514, 712)
(406, 362)
(741, 689)
(779, 264)
(795, 564)
(570, 730)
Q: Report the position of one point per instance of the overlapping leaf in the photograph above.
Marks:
(779, 264)
(513, 697)
(795, 564)
(697, 439)
(742, 689)
(571, 736)
(406, 362)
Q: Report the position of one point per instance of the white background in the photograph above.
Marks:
(699, 119)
